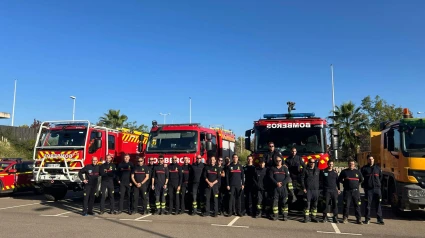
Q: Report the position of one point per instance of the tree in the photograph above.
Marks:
(240, 149)
(378, 110)
(113, 119)
(134, 127)
(351, 124)
(36, 124)
(24, 126)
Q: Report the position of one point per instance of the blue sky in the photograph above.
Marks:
(147, 57)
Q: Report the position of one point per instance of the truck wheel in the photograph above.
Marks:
(55, 194)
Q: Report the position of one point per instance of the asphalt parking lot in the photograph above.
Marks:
(30, 215)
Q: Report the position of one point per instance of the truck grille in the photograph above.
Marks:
(419, 175)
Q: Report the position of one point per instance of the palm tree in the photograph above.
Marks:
(351, 124)
(113, 119)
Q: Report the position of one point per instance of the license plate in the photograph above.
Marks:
(53, 165)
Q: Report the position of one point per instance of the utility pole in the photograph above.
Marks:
(13, 107)
(333, 103)
(164, 115)
(190, 109)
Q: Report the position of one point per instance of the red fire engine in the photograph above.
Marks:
(15, 175)
(64, 147)
(300, 130)
(190, 140)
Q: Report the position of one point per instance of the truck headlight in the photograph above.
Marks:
(416, 193)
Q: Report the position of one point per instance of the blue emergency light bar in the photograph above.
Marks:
(286, 115)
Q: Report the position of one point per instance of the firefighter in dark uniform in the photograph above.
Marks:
(351, 179)
(279, 176)
(259, 191)
(295, 164)
(174, 185)
(270, 158)
(212, 174)
(249, 171)
(90, 178)
(159, 184)
(235, 180)
(219, 185)
(196, 173)
(124, 179)
(372, 175)
(310, 184)
(151, 192)
(107, 172)
(331, 190)
(140, 177)
(223, 187)
(186, 168)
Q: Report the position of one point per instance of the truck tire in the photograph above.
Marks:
(55, 194)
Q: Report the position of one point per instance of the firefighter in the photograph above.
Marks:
(174, 185)
(124, 179)
(270, 158)
(107, 172)
(221, 185)
(295, 164)
(372, 175)
(331, 190)
(196, 173)
(159, 184)
(310, 184)
(212, 174)
(351, 179)
(223, 189)
(186, 168)
(90, 179)
(279, 177)
(258, 188)
(249, 172)
(151, 192)
(140, 177)
(235, 180)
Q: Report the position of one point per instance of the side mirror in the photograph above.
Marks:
(98, 134)
(209, 136)
(13, 170)
(141, 138)
(248, 144)
(98, 143)
(334, 132)
(247, 133)
(202, 149)
(209, 146)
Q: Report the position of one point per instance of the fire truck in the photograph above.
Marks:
(15, 175)
(63, 148)
(303, 131)
(190, 140)
(399, 149)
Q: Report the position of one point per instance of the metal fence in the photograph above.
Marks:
(18, 133)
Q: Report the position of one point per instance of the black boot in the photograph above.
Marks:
(306, 219)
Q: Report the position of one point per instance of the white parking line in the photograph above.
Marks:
(3, 208)
(138, 219)
(337, 231)
(335, 228)
(5, 198)
(231, 224)
(58, 215)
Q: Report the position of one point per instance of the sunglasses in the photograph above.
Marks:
(161, 159)
(279, 161)
(140, 161)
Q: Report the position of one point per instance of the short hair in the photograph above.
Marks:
(368, 156)
(234, 155)
(351, 160)
(160, 156)
(330, 161)
(271, 142)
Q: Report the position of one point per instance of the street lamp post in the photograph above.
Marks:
(164, 115)
(73, 107)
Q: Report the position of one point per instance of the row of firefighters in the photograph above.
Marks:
(265, 187)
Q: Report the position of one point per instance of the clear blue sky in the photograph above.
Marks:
(147, 57)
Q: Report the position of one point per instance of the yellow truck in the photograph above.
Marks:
(399, 149)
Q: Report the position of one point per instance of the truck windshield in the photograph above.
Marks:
(3, 166)
(414, 140)
(306, 140)
(170, 141)
(70, 137)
